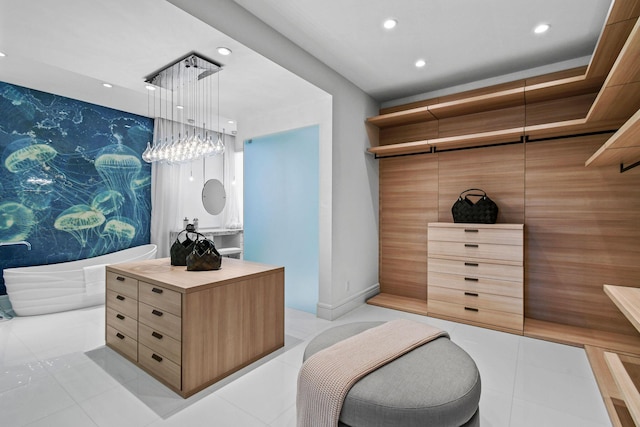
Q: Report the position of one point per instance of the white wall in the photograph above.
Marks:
(352, 222)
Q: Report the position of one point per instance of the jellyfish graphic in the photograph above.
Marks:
(79, 221)
(118, 233)
(108, 202)
(119, 166)
(27, 153)
(16, 222)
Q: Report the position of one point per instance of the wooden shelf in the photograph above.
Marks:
(622, 148)
(399, 149)
(396, 302)
(414, 115)
(611, 395)
(626, 374)
(570, 127)
(620, 94)
(561, 88)
(627, 299)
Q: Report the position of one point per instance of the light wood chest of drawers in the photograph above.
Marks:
(475, 274)
(191, 329)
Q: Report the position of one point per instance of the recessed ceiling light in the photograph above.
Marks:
(150, 87)
(542, 28)
(107, 85)
(179, 107)
(231, 122)
(390, 23)
(224, 51)
(421, 63)
(2, 54)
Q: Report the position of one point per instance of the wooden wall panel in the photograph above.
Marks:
(505, 118)
(408, 201)
(558, 110)
(409, 133)
(582, 231)
(499, 171)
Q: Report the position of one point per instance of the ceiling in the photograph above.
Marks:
(72, 48)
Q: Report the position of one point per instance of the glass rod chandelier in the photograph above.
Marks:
(183, 96)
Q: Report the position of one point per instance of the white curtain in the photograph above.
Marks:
(231, 212)
(166, 197)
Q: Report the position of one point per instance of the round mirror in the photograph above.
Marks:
(213, 196)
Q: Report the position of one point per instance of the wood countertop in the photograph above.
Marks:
(161, 272)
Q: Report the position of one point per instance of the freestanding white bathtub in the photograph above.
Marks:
(66, 286)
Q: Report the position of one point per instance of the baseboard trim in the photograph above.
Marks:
(333, 311)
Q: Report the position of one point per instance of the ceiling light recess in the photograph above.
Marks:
(2, 54)
(107, 85)
(420, 63)
(390, 23)
(224, 51)
(541, 28)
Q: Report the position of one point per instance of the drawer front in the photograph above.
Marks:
(161, 321)
(161, 343)
(160, 366)
(473, 269)
(512, 254)
(122, 303)
(489, 317)
(162, 298)
(125, 324)
(476, 299)
(475, 233)
(122, 284)
(124, 344)
(475, 284)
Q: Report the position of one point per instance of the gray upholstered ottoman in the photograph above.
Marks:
(437, 384)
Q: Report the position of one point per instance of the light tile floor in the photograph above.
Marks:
(56, 371)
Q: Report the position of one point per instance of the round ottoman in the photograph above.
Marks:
(437, 384)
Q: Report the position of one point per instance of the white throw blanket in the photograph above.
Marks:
(327, 376)
(94, 279)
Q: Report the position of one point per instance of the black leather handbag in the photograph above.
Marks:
(204, 256)
(181, 248)
(483, 211)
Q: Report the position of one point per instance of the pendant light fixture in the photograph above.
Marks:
(185, 91)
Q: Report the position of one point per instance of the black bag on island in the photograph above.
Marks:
(484, 211)
(180, 249)
(204, 256)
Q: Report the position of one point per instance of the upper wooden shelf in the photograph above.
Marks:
(627, 299)
(414, 115)
(623, 147)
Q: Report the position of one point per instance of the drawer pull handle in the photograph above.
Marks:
(157, 313)
(471, 264)
(471, 309)
(120, 316)
(119, 335)
(471, 230)
(156, 357)
(120, 297)
(471, 279)
(156, 290)
(120, 279)
(470, 245)
(156, 335)
(471, 294)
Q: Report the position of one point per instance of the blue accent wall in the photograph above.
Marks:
(72, 181)
(281, 209)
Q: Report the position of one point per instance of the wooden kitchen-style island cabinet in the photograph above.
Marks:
(189, 329)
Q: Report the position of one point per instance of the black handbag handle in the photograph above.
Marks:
(483, 195)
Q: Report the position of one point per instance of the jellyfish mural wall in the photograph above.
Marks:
(72, 182)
